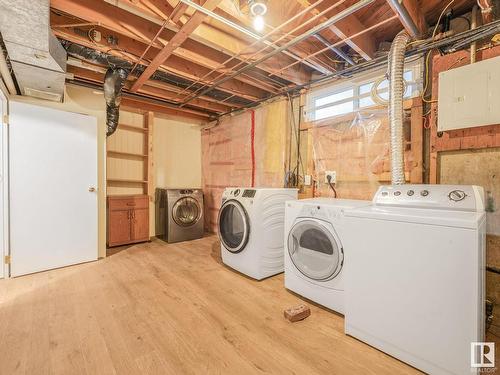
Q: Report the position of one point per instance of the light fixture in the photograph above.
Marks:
(258, 23)
(258, 9)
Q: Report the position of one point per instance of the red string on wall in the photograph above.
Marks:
(252, 135)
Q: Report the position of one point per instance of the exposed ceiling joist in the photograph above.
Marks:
(411, 16)
(89, 72)
(179, 38)
(176, 66)
(96, 75)
(364, 45)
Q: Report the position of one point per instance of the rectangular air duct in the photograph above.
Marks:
(37, 57)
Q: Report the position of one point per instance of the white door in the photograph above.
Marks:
(4, 218)
(53, 170)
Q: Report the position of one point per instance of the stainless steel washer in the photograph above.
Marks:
(185, 215)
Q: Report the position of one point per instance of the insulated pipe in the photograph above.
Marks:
(405, 17)
(5, 74)
(113, 84)
(396, 87)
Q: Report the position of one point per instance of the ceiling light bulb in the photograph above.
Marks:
(258, 23)
(258, 8)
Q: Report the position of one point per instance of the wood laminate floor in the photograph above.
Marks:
(170, 309)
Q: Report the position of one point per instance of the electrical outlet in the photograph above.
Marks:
(307, 180)
(333, 177)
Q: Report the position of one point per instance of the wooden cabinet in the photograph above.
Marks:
(128, 219)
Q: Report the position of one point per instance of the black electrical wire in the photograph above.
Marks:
(329, 179)
(493, 269)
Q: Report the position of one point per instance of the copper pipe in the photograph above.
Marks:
(339, 43)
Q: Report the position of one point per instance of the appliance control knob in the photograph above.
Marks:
(424, 193)
(237, 192)
(457, 195)
(397, 193)
(410, 193)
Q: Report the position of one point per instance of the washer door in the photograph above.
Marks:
(315, 250)
(234, 227)
(186, 212)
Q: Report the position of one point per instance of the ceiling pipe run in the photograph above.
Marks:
(405, 17)
(249, 33)
(339, 16)
(449, 44)
(336, 50)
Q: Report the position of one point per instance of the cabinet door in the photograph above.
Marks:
(119, 227)
(140, 224)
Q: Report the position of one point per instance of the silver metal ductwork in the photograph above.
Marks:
(37, 57)
(114, 80)
(396, 92)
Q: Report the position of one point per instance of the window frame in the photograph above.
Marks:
(414, 65)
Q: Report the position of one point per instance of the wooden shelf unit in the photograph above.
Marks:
(125, 155)
(145, 155)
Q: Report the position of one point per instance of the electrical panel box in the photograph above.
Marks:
(469, 96)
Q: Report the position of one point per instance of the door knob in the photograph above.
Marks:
(92, 189)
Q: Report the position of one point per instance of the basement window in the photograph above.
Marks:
(348, 96)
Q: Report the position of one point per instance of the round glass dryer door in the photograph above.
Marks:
(233, 226)
(186, 212)
(314, 250)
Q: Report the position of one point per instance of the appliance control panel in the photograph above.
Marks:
(446, 197)
(239, 192)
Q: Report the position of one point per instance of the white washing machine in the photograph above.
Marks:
(415, 275)
(314, 252)
(251, 229)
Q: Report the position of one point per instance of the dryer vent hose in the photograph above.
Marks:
(396, 90)
(114, 80)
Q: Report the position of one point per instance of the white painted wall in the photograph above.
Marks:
(177, 153)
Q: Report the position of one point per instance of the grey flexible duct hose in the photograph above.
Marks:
(113, 84)
(396, 89)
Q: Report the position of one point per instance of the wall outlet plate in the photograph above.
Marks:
(333, 175)
(307, 180)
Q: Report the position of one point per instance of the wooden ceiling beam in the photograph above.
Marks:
(150, 88)
(300, 51)
(244, 88)
(152, 91)
(415, 12)
(364, 45)
(210, 40)
(194, 21)
(143, 105)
